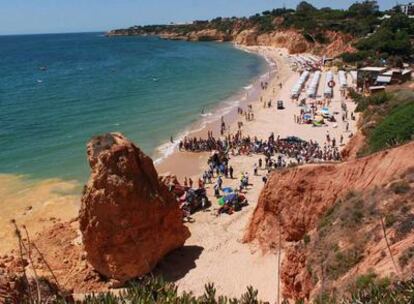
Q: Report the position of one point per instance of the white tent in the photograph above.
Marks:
(342, 79)
(313, 85)
(297, 88)
(328, 91)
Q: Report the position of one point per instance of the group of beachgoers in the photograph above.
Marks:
(275, 153)
(292, 147)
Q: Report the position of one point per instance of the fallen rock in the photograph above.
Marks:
(128, 218)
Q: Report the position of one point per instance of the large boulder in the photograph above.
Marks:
(128, 218)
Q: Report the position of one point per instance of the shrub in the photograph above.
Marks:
(396, 128)
(406, 256)
(389, 220)
(400, 187)
(306, 239)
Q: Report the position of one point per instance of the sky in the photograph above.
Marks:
(59, 16)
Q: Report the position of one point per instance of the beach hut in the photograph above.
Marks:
(313, 85)
(342, 79)
(297, 88)
(328, 91)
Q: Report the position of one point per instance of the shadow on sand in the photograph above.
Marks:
(178, 263)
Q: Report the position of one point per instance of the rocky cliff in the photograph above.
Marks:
(128, 218)
(291, 39)
(298, 203)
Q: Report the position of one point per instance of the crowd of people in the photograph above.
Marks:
(272, 153)
(292, 147)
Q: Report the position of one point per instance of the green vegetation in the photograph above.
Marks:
(387, 119)
(367, 289)
(375, 291)
(390, 41)
(375, 37)
(395, 129)
(400, 187)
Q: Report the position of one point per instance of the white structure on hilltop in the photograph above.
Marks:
(407, 9)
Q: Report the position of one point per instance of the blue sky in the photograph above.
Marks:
(55, 16)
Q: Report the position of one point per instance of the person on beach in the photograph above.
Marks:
(219, 182)
(231, 172)
(190, 182)
(171, 140)
(255, 169)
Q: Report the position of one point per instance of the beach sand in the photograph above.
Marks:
(214, 252)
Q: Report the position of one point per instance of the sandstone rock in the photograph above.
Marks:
(128, 219)
(293, 200)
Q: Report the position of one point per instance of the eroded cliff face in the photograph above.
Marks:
(296, 198)
(128, 218)
(296, 43)
(294, 201)
(291, 39)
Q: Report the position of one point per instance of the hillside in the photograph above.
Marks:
(350, 225)
(360, 33)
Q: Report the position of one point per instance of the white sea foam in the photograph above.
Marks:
(223, 109)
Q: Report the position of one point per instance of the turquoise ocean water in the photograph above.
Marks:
(57, 91)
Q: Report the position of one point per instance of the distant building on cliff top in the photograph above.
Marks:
(407, 9)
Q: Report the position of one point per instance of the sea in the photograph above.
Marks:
(59, 90)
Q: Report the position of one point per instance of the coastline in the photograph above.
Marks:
(173, 162)
(223, 236)
(215, 237)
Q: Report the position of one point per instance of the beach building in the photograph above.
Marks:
(396, 76)
(367, 76)
(407, 9)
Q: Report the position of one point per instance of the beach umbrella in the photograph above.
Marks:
(230, 197)
(318, 118)
(221, 201)
(307, 117)
(228, 190)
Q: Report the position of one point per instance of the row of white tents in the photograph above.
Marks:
(313, 85)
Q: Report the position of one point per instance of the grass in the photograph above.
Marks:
(386, 119)
(397, 128)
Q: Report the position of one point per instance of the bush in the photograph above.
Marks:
(306, 239)
(400, 187)
(406, 256)
(397, 128)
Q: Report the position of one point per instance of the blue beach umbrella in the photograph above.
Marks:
(228, 190)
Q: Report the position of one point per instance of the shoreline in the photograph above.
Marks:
(226, 108)
(214, 237)
(223, 235)
(175, 163)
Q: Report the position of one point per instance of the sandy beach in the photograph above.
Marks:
(215, 247)
(215, 251)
